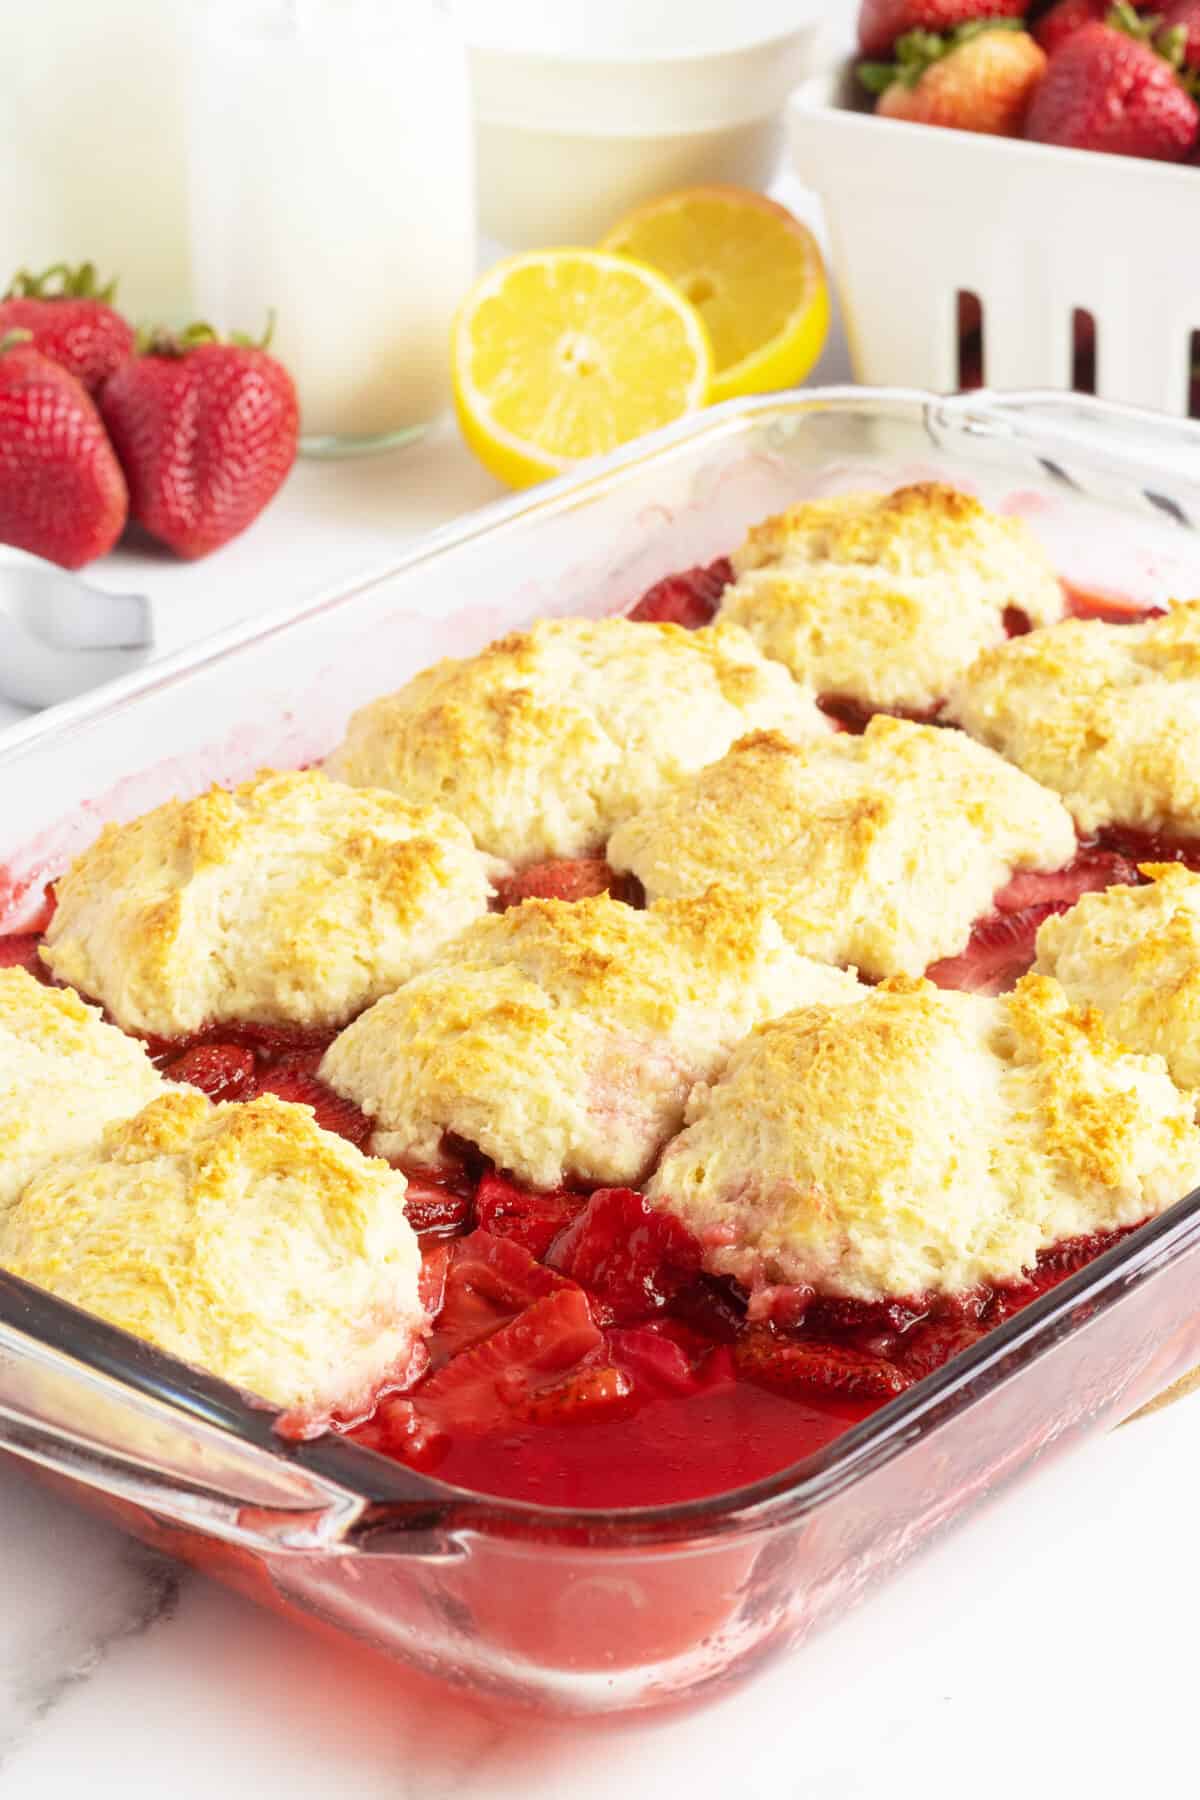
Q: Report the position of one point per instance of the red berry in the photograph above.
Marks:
(855, 715)
(72, 321)
(510, 1370)
(566, 878)
(1107, 90)
(62, 493)
(882, 22)
(222, 1071)
(1152, 846)
(580, 1398)
(797, 1365)
(436, 1208)
(1000, 950)
(206, 433)
(489, 1281)
(507, 1209)
(690, 599)
(1091, 871)
(977, 79)
(1182, 18)
(631, 1257)
(1065, 18)
(20, 951)
(333, 1113)
(1113, 609)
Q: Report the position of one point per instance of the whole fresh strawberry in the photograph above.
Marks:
(1065, 18)
(71, 319)
(981, 77)
(1109, 88)
(206, 432)
(62, 493)
(882, 23)
(1179, 33)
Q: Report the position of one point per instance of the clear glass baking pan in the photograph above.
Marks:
(572, 1610)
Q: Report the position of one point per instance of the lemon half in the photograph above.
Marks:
(564, 354)
(752, 271)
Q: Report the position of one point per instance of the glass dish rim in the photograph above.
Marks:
(397, 1496)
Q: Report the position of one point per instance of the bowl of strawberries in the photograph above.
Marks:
(1005, 183)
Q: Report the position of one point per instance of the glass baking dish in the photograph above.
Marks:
(578, 1611)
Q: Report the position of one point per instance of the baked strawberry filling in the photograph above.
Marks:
(1113, 608)
(689, 599)
(608, 1370)
(693, 597)
(1002, 946)
(567, 878)
(579, 1352)
(1150, 846)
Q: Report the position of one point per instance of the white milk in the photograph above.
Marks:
(92, 145)
(332, 182)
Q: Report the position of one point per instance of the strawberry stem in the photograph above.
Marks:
(61, 282)
(158, 340)
(917, 51)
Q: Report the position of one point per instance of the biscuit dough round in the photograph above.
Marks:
(242, 1239)
(563, 1038)
(547, 738)
(923, 1142)
(884, 598)
(290, 900)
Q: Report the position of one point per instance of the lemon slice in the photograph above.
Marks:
(563, 354)
(753, 272)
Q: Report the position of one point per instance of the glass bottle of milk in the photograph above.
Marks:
(331, 178)
(92, 145)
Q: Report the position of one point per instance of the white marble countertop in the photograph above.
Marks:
(1047, 1648)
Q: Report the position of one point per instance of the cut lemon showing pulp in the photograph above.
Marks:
(563, 354)
(753, 272)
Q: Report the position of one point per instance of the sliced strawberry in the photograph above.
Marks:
(931, 1344)
(222, 1071)
(333, 1113)
(1113, 608)
(398, 1428)
(855, 715)
(1001, 949)
(507, 1209)
(582, 1397)
(712, 1307)
(1152, 846)
(504, 1373)
(272, 1043)
(797, 1365)
(654, 1360)
(489, 1282)
(567, 878)
(631, 1257)
(431, 1281)
(833, 1314)
(689, 599)
(20, 951)
(437, 1208)
(1091, 871)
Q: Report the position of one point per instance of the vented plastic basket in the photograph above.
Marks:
(918, 216)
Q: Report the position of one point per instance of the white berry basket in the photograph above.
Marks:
(918, 216)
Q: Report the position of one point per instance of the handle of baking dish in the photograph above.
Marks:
(161, 1446)
(1100, 448)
